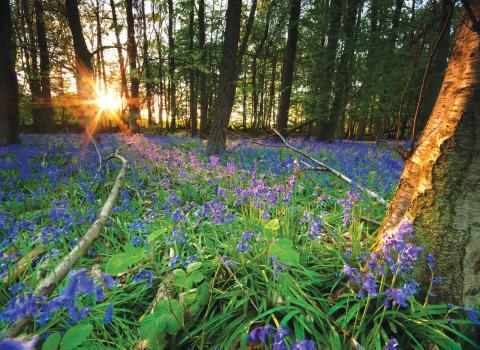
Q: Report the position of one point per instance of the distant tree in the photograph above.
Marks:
(192, 71)
(146, 67)
(227, 79)
(83, 68)
(439, 190)
(121, 61)
(288, 65)
(9, 98)
(134, 101)
(45, 98)
(171, 67)
(202, 75)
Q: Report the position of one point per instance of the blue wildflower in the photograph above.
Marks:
(107, 318)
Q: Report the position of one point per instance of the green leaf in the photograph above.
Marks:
(203, 291)
(52, 342)
(75, 336)
(194, 266)
(136, 253)
(118, 263)
(180, 278)
(196, 276)
(283, 250)
(273, 225)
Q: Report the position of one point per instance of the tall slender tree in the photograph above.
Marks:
(46, 106)
(227, 79)
(134, 100)
(193, 71)
(117, 29)
(9, 98)
(202, 75)
(288, 65)
(171, 67)
(83, 68)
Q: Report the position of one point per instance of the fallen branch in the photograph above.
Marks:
(54, 278)
(328, 169)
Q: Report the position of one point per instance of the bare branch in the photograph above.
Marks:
(54, 278)
(326, 168)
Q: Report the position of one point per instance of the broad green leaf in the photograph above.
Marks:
(52, 342)
(194, 266)
(180, 278)
(118, 263)
(203, 291)
(283, 250)
(75, 336)
(273, 225)
(196, 276)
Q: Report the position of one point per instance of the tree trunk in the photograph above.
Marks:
(83, 69)
(46, 107)
(324, 126)
(193, 71)
(123, 75)
(344, 74)
(146, 66)
(171, 67)
(203, 75)
(134, 101)
(439, 64)
(31, 57)
(288, 66)
(227, 79)
(439, 190)
(9, 98)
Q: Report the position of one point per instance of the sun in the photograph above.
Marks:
(108, 102)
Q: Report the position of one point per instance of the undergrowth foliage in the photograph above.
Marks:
(249, 251)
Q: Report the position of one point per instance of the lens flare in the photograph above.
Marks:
(108, 102)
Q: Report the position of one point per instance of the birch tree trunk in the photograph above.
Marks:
(439, 190)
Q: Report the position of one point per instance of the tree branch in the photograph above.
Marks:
(328, 169)
(54, 278)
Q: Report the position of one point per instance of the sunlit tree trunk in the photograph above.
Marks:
(227, 79)
(439, 190)
(134, 101)
(9, 99)
(288, 66)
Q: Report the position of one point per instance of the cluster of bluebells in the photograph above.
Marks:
(178, 236)
(80, 283)
(397, 257)
(244, 244)
(278, 267)
(314, 224)
(348, 206)
(144, 274)
(140, 241)
(262, 335)
(178, 261)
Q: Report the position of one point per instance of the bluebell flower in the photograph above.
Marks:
(18, 344)
(473, 316)
(107, 318)
(303, 345)
(144, 274)
(392, 344)
(259, 334)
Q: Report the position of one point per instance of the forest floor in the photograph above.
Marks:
(244, 250)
